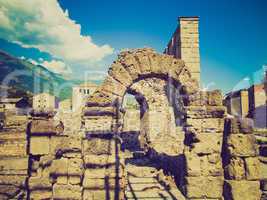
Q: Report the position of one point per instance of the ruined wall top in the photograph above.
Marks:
(184, 44)
(134, 65)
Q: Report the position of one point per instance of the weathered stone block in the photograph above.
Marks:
(48, 127)
(75, 166)
(62, 180)
(100, 195)
(110, 172)
(12, 166)
(39, 145)
(215, 98)
(263, 168)
(252, 168)
(208, 143)
(118, 72)
(208, 125)
(242, 190)
(98, 146)
(199, 112)
(99, 124)
(67, 192)
(112, 85)
(242, 145)
(39, 183)
(204, 187)
(193, 167)
(99, 160)
(74, 180)
(41, 194)
(106, 183)
(59, 167)
(13, 147)
(211, 165)
(235, 169)
(65, 145)
(9, 191)
(13, 180)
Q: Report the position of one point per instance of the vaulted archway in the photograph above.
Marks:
(155, 77)
(135, 65)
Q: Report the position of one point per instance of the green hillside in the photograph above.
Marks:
(24, 77)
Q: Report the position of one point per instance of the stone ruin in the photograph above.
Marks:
(188, 148)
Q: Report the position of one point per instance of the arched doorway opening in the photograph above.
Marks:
(158, 80)
(156, 117)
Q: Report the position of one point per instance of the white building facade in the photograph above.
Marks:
(80, 93)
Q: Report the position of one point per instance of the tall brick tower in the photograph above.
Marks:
(184, 44)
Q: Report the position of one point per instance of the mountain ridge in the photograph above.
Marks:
(24, 76)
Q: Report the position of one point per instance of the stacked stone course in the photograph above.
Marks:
(261, 137)
(241, 161)
(13, 157)
(56, 165)
(104, 176)
(204, 133)
(13, 164)
(208, 157)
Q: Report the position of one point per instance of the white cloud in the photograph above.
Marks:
(4, 20)
(42, 24)
(56, 66)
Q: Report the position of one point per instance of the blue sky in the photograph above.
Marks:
(233, 42)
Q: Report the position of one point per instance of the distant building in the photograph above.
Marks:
(44, 101)
(65, 105)
(184, 44)
(257, 105)
(237, 103)
(80, 93)
(250, 103)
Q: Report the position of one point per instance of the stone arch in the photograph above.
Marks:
(135, 65)
(130, 68)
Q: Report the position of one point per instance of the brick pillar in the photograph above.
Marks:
(204, 136)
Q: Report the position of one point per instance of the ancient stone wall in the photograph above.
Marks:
(203, 155)
(13, 164)
(261, 138)
(131, 120)
(184, 44)
(241, 161)
(204, 135)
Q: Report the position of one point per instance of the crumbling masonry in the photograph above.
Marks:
(204, 156)
(186, 148)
